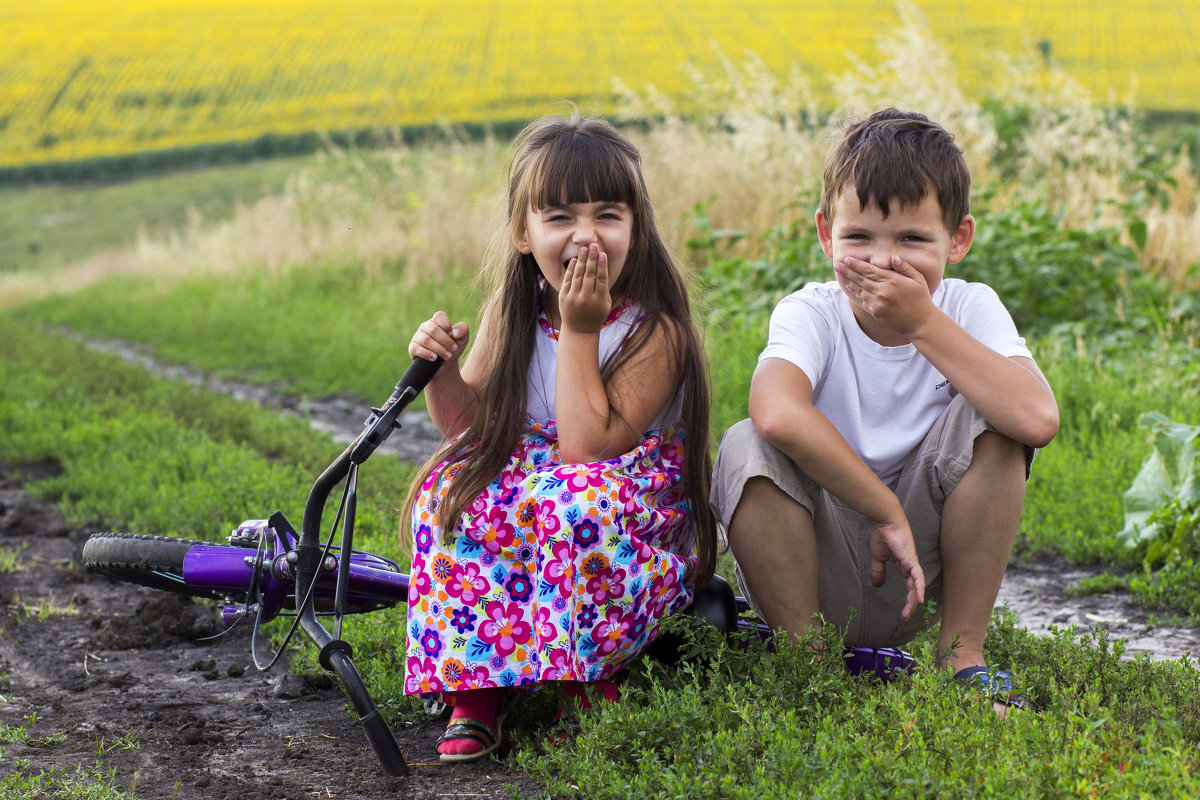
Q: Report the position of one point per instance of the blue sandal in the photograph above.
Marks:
(994, 683)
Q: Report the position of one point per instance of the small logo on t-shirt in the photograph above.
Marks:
(941, 385)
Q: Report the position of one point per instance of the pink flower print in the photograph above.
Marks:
(504, 627)
(478, 505)
(419, 586)
(627, 497)
(476, 678)
(607, 586)
(645, 553)
(663, 589)
(422, 677)
(656, 480)
(492, 531)
(610, 632)
(578, 477)
(543, 625)
(560, 665)
(507, 497)
(548, 521)
(466, 584)
(672, 452)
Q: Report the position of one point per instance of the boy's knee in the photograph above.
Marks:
(991, 447)
(762, 505)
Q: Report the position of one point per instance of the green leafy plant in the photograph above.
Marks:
(1162, 507)
(1162, 517)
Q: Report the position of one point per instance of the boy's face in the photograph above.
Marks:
(916, 234)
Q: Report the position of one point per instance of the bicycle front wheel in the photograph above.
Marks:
(147, 560)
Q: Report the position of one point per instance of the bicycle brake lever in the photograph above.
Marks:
(382, 420)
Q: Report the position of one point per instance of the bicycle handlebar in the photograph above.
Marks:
(336, 654)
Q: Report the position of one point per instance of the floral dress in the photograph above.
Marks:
(556, 571)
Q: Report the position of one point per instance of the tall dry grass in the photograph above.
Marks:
(756, 159)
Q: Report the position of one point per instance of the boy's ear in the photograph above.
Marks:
(960, 240)
(825, 233)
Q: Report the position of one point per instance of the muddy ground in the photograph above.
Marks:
(117, 674)
(106, 665)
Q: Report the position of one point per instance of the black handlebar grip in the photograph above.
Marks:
(418, 374)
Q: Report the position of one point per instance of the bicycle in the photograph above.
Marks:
(267, 569)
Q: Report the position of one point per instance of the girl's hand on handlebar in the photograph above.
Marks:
(439, 338)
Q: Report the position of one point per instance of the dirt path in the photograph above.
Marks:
(114, 674)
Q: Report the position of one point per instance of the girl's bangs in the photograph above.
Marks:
(582, 170)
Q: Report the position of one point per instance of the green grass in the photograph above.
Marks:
(323, 330)
(149, 455)
(46, 226)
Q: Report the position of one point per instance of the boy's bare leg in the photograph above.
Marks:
(775, 544)
(979, 526)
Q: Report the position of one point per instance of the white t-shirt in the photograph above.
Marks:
(883, 400)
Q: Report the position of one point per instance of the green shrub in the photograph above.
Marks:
(1048, 275)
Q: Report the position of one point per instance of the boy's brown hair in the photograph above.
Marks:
(899, 156)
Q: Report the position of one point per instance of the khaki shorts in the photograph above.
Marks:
(869, 616)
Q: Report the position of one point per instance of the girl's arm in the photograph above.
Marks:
(454, 390)
(595, 424)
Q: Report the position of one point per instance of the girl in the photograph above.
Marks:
(557, 526)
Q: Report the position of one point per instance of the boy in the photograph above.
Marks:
(893, 416)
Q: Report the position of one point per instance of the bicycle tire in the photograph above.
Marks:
(144, 559)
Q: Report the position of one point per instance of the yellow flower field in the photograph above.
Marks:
(85, 79)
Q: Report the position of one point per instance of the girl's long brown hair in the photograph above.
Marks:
(559, 161)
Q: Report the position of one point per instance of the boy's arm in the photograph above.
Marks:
(783, 413)
(1010, 392)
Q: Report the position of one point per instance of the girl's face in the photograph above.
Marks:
(554, 235)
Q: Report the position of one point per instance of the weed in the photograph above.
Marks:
(130, 740)
(10, 559)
